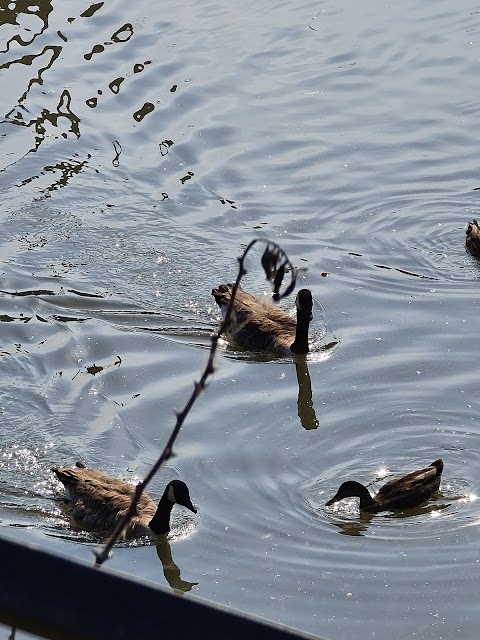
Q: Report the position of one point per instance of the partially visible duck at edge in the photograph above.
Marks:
(257, 325)
(97, 502)
(404, 492)
(472, 241)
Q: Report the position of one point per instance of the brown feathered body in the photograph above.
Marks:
(472, 241)
(258, 325)
(97, 502)
(404, 492)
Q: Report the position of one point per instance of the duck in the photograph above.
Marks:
(98, 501)
(259, 326)
(404, 492)
(472, 241)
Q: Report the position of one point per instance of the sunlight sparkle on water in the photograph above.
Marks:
(382, 472)
(347, 506)
(470, 497)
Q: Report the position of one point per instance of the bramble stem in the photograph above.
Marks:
(274, 262)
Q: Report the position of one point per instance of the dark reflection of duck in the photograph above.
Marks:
(260, 326)
(97, 502)
(353, 527)
(400, 493)
(170, 569)
(359, 527)
(472, 241)
(306, 410)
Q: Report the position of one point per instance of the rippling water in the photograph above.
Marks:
(139, 152)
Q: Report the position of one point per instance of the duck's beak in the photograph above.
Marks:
(332, 500)
(190, 506)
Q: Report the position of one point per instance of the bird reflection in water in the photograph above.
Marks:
(355, 527)
(306, 410)
(170, 569)
(359, 526)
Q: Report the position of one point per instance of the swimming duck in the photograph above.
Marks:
(472, 240)
(400, 493)
(259, 326)
(98, 501)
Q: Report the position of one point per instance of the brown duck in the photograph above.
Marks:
(400, 493)
(472, 241)
(259, 326)
(97, 502)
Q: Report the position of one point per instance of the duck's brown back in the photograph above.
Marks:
(97, 501)
(256, 324)
(411, 489)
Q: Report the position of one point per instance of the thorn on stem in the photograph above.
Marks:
(210, 369)
(199, 387)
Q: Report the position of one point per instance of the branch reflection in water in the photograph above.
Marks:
(170, 569)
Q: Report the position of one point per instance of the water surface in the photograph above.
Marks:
(140, 151)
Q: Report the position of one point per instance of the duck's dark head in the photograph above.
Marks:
(349, 489)
(178, 493)
(304, 304)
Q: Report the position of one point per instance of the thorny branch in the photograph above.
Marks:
(276, 264)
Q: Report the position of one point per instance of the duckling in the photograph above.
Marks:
(400, 493)
(259, 326)
(472, 240)
(98, 501)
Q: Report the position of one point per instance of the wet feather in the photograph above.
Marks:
(97, 502)
(404, 492)
(258, 325)
(472, 240)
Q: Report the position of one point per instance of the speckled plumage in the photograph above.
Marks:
(257, 325)
(97, 502)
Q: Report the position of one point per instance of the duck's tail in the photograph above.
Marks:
(438, 464)
(222, 294)
(473, 237)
